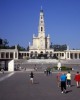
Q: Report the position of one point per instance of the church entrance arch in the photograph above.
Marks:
(41, 55)
(50, 54)
(41, 52)
(31, 55)
(47, 54)
(55, 56)
(36, 54)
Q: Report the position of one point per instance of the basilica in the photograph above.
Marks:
(41, 43)
(39, 48)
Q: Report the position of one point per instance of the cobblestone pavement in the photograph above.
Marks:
(18, 87)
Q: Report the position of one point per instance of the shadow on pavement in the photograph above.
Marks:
(72, 85)
(36, 83)
(68, 91)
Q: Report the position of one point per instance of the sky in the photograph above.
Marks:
(19, 20)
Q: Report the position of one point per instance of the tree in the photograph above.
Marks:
(4, 44)
(0, 41)
(51, 46)
(12, 47)
(58, 47)
(21, 48)
(28, 48)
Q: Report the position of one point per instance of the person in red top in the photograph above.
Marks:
(58, 79)
(77, 79)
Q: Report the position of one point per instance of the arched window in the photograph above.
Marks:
(31, 55)
(41, 52)
(41, 17)
(31, 52)
(41, 28)
(71, 55)
(50, 52)
(35, 52)
(75, 55)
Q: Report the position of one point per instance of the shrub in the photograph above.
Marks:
(55, 67)
(63, 68)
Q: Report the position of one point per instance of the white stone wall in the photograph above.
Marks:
(11, 65)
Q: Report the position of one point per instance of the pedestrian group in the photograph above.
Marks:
(64, 80)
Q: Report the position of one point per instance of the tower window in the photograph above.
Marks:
(41, 28)
(41, 17)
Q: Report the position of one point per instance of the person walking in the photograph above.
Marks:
(68, 76)
(77, 79)
(63, 82)
(31, 77)
(58, 79)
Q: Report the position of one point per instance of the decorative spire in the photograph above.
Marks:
(41, 9)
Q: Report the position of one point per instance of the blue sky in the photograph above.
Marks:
(19, 21)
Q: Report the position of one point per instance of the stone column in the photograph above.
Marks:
(69, 55)
(4, 54)
(66, 55)
(29, 54)
(73, 55)
(77, 55)
(14, 55)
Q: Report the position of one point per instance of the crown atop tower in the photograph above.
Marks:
(41, 9)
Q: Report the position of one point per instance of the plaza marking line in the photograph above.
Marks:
(7, 76)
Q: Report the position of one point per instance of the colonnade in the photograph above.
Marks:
(15, 54)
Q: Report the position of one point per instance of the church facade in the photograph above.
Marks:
(41, 43)
(40, 46)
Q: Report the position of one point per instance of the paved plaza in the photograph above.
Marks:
(17, 86)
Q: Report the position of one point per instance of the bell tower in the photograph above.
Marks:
(41, 27)
(41, 43)
(41, 31)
